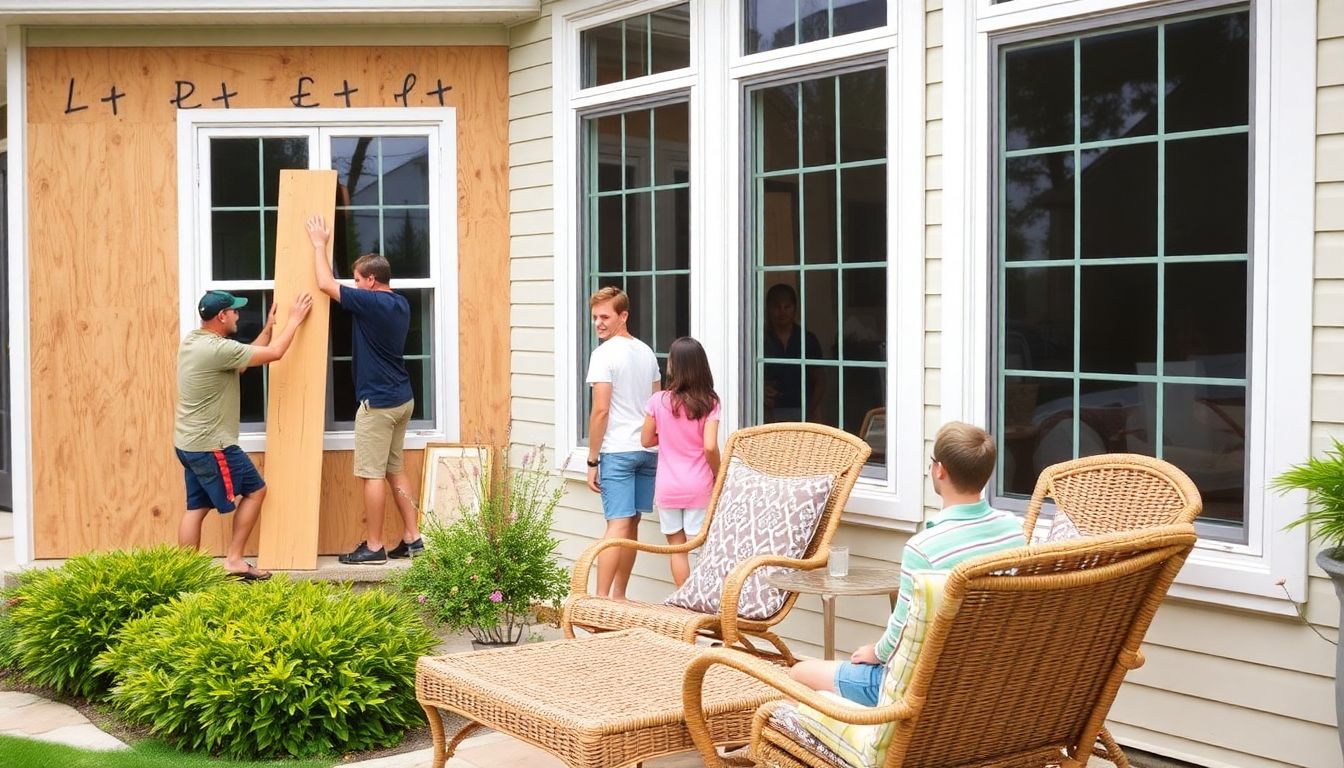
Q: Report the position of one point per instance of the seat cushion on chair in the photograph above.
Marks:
(757, 514)
(784, 719)
(865, 746)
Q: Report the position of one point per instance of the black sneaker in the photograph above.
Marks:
(365, 556)
(408, 549)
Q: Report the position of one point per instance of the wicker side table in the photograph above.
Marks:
(601, 701)
(860, 581)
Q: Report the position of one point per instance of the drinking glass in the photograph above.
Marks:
(838, 562)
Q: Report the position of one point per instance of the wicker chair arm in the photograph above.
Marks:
(737, 579)
(777, 678)
(578, 579)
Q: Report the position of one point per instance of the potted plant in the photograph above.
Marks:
(1323, 480)
(486, 570)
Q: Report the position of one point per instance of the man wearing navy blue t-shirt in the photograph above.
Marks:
(381, 320)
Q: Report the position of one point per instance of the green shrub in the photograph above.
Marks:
(485, 570)
(273, 668)
(61, 619)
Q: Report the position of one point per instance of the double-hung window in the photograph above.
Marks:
(394, 196)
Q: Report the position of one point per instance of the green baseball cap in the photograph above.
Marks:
(214, 302)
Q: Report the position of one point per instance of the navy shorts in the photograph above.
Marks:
(216, 478)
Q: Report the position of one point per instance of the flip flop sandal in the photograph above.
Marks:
(251, 574)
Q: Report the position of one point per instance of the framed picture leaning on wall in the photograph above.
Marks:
(453, 476)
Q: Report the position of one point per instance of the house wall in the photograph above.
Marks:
(103, 256)
(1221, 687)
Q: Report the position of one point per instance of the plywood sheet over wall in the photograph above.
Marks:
(103, 256)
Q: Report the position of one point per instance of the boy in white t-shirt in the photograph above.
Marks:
(623, 374)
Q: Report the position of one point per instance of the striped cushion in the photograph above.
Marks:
(865, 746)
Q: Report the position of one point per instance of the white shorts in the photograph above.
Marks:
(673, 520)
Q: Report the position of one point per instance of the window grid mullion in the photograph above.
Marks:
(1077, 237)
(1160, 363)
(1001, 244)
(802, 232)
(1153, 138)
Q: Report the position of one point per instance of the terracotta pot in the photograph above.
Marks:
(1332, 562)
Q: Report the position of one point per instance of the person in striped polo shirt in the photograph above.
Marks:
(963, 459)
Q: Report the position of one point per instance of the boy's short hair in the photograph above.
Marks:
(968, 454)
(618, 298)
(374, 265)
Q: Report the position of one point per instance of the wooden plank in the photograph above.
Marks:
(296, 396)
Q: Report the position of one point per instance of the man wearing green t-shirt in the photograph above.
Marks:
(205, 425)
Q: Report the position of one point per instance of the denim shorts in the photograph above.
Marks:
(216, 478)
(627, 483)
(859, 683)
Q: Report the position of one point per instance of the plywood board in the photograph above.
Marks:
(105, 306)
(296, 394)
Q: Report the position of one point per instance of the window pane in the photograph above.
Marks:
(1038, 193)
(343, 402)
(863, 213)
(672, 223)
(780, 222)
(1204, 433)
(234, 173)
(1208, 72)
(1037, 416)
(821, 394)
(1117, 308)
(640, 290)
(772, 24)
(608, 234)
(1119, 199)
(818, 122)
(235, 245)
(1205, 318)
(1038, 319)
(670, 30)
(356, 233)
(606, 135)
(269, 225)
(277, 155)
(422, 387)
(672, 157)
(820, 313)
(1118, 81)
(636, 46)
(405, 172)
(818, 217)
(865, 408)
(355, 161)
(1038, 87)
(865, 318)
(252, 382)
(1117, 416)
(670, 321)
(406, 241)
(863, 115)
(639, 231)
(777, 124)
(1208, 191)
(638, 154)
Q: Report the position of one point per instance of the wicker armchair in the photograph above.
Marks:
(1019, 667)
(1115, 492)
(791, 449)
(1110, 493)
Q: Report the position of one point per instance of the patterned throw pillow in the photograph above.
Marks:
(758, 514)
(865, 746)
(1062, 528)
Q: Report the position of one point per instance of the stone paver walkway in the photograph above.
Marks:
(33, 717)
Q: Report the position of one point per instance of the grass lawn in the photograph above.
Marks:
(22, 753)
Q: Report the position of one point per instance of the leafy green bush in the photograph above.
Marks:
(61, 619)
(273, 668)
(484, 571)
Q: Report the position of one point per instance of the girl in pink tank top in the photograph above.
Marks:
(683, 421)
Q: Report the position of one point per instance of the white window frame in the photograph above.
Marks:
(1279, 375)
(195, 127)
(716, 80)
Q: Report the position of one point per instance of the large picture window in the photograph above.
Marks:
(387, 187)
(819, 257)
(1123, 231)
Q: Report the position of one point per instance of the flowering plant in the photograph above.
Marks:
(484, 571)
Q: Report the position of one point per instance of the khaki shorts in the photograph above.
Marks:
(379, 434)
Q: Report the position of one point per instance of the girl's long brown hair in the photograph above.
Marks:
(689, 380)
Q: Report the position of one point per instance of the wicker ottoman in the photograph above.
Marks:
(601, 701)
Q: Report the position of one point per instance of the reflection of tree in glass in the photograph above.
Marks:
(1038, 204)
(408, 246)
